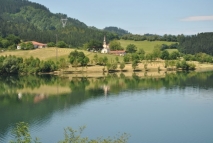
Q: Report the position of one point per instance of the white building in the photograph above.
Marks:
(105, 47)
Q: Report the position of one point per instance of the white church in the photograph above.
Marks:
(105, 49)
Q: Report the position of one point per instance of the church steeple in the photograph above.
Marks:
(105, 46)
(104, 43)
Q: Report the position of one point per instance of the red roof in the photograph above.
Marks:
(37, 43)
(117, 52)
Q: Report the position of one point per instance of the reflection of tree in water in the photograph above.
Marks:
(20, 82)
(79, 84)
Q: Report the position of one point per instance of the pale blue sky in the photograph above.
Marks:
(140, 16)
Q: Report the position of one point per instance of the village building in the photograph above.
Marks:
(105, 49)
(35, 44)
(118, 53)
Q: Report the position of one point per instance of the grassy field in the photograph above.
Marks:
(147, 46)
(50, 53)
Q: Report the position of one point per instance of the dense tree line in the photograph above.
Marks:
(200, 43)
(116, 30)
(18, 65)
(13, 6)
(150, 37)
(9, 42)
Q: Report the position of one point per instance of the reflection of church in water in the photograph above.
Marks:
(106, 89)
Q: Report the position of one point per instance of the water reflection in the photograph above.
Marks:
(37, 98)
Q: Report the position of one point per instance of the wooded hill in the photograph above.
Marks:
(117, 30)
(33, 21)
(200, 43)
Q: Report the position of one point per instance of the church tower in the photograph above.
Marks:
(105, 46)
(104, 43)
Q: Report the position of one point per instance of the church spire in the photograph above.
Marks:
(104, 40)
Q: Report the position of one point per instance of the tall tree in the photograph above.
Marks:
(131, 48)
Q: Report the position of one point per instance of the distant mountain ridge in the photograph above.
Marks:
(117, 30)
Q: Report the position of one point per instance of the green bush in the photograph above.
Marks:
(22, 135)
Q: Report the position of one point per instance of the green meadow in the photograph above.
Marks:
(56, 53)
(147, 46)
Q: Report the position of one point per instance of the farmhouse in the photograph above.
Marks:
(35, 44)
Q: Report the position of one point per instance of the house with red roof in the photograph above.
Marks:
(35, 44)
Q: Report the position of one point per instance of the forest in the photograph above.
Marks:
(32, 21)
(200, 43)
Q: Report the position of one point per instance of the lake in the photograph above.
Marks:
(176, 108)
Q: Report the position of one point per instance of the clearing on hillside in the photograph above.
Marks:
(147, 46)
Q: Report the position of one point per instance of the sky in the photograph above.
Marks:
(139, 16)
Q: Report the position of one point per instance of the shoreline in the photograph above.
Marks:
(153, 70)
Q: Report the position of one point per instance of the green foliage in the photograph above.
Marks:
(9, 42)
(165, 55)
(61, 44)
(147, 46)
(116, 30)
(141, 54)
(203, 57)
(48, 66)
(93, 45)
(30, 66)
(11, 64)
(134, 65)
(34, 22)
(5, 43)
(115, 45)
(185, 66)
(74, 136)
(174, 55)
(111, 66)
(127, 58)
(200, 43)
(78, 58)
(189, 57)
(27, 46)
(149, 56)
(105, 60)
(156, 52)
(150, 37)
(62, 63)
(51, 44)
(131, 48)
(95, 58)
(117, 59)
(16, 65)
(122, 65)
(22, 134)
(135, 57)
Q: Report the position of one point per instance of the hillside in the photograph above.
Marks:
(147, 46)
(50, 53)
(32, 21)
(202, 42)
(116, 30)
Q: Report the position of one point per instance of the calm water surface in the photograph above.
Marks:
(177, 108)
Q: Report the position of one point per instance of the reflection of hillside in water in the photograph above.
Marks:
(36, 98)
